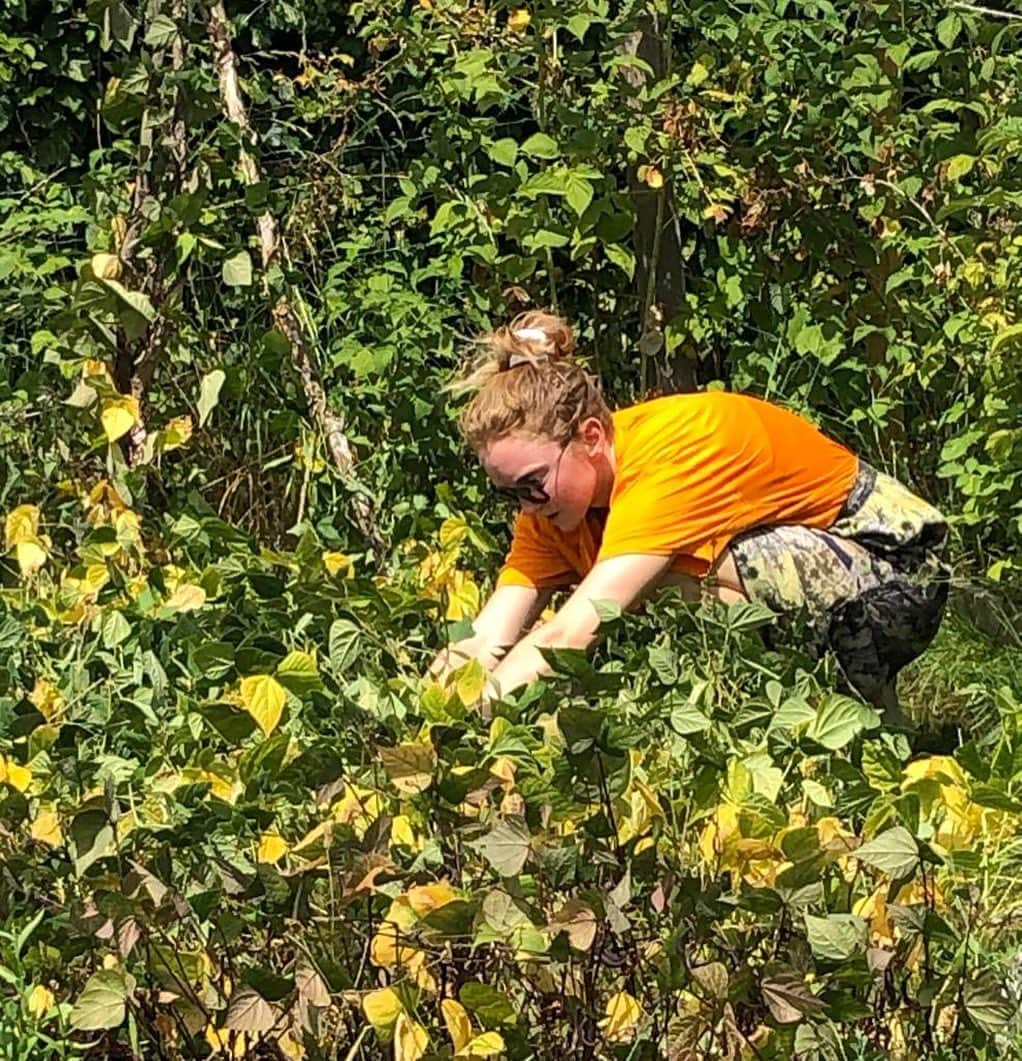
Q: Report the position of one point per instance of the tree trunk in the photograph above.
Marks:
(659, 271)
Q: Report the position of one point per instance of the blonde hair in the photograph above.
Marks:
(526, 379)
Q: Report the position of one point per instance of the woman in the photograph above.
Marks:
(723, 494)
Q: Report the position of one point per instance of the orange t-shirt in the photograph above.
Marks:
(692, 471)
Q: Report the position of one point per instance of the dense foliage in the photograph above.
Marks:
(234, 822)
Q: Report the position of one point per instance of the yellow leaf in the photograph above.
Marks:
(409, 766)
(382, 1008)
(410, 1039)
(106, 266)
(31, 556)
(263, 698)
(46, 699)
(119, 416)
(186, 598)
(718, 211)
(403, 835)
(489, 1044)
(16, 775)
(424, 898)
(40, 1001)
(46, 827)
(623, 1014)
(471, 682)
(177, 432)
(462, 597)
(21, 525)
(227, 1043)
(272, 847)
(518, 20)
(651, 176)
(338, 563)
(459, 1027)
(452, 533)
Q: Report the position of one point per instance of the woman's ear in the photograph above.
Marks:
(592, 434)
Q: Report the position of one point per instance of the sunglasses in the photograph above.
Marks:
(530, 491)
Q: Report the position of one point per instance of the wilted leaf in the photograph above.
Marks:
(578, 920)
(787, 996)
(409, 766)
(248, 1011)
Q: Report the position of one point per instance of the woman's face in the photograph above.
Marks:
(546, 478)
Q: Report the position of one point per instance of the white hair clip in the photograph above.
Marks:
(531, 335)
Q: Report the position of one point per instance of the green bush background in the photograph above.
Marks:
(815, 202)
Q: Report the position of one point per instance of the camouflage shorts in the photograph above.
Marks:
(872, 587)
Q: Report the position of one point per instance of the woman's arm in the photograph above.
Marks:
(509, 611)
(625, 580)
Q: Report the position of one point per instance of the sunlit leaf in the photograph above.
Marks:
(382, 1008)
(623, 1014)
(119, 416)
(410, 1039)
(263, 697)
(272, 847)
(459, 1027)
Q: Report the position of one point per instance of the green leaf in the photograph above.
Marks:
(836, 937)
(504, 152)
(237, 270)
(298, 673)
(101, 1005)
(344, 643)
(114, 628)
(487, 1003)
(506, 847)
(959, 165)
(894, 851)
(209, 394)
(136, 301)
(161, 32)
(539, 145)
(622, 257)
(579, 194)
(948, 29)
(987, 1005)
(839, 720)
(687, 719)
(92, 838)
